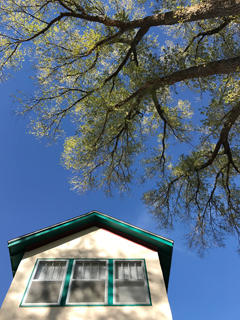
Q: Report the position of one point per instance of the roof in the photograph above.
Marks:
(18, 246)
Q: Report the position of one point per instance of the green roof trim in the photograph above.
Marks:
(110, 221)
(17, 246)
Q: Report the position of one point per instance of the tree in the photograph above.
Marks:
(101, 63)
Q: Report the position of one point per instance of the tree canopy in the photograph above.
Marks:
(116, 68)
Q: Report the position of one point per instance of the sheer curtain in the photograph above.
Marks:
(130, 283)
(88, 283)
(47, 283)
(50, 270)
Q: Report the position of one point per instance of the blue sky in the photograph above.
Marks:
(35, 193)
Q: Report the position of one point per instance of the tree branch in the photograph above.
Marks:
(223, 139)
(209, 32)
(160, 112)
(204, 70)
(206, 10)
(140, 34)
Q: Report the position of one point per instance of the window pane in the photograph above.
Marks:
(117, 270)
(140, 270)
(50, 270)
(130, 292)
(78, 271)
(103, 270)
(89, 270)
(126, 270)
(95, 271)
(122, 270)
(87, 291)
(44, 292)
(133, 270)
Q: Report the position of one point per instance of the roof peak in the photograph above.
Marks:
(93, 212)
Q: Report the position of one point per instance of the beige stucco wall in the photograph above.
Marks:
(91, 243)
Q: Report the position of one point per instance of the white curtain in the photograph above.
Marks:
(129, 270)
(89, 270)
(88, 284)
(50, 270)
(130, 283)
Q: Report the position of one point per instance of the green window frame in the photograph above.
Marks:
(117, 282)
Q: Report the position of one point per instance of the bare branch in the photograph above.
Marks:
(140, 34)
(161, 113)
(209, 32)
(223, 139)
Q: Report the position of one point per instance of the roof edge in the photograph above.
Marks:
(43, 230)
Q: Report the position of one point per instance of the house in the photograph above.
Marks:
(92, 267)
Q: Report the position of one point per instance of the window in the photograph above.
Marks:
(88, 282)
(130, 284)
(47, 283)
(79, 282)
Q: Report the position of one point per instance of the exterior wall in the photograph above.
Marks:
(91, 243)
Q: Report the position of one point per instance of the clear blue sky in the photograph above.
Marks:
(35, 193)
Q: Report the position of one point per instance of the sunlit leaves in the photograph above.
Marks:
(135, 119)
